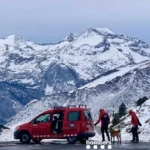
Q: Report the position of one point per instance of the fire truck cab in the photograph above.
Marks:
(72, 123)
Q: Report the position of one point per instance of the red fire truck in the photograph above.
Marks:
(72, 123)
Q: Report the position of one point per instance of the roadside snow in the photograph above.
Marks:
(7, 135)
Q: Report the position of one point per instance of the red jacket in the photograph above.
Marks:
(100, 118)
(134, 120)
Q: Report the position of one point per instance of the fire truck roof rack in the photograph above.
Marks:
(79, 106)
(82, 106)
(70, 106)
(56, 107)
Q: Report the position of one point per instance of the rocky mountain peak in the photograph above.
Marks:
(71, 37)
(14, 38)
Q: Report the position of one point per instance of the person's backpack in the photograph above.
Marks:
(139, 122)
(105, 119)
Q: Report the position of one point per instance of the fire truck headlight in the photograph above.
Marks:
(17, 128)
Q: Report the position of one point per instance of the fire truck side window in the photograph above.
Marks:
(87, 115)
(74, 116)
(43, 118)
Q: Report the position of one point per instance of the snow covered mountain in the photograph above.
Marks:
(45, 72)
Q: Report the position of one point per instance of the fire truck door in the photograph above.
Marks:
(41, 126)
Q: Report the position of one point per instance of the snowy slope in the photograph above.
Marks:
(143, 114)
(116, 73)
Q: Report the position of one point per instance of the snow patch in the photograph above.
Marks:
(48, 90)
(104, 30)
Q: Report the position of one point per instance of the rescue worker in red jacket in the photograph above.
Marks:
(135, 122)
(105, 120)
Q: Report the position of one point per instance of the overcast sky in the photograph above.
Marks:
(52, 20)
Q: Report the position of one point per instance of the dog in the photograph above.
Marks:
(115, 133)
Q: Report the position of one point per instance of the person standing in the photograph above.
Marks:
(135, 123)
(105, 120)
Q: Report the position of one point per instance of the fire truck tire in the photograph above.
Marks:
(72, 140)
(25, 138)
(37, 140)
(83, 140)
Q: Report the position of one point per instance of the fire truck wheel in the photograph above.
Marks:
(72, 140)
(83, 140)
(25, 138)
(37, 140)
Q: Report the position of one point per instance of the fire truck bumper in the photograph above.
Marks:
(87, 134)
(16, 134)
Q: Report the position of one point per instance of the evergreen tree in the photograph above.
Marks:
(122, 110)
(116, 119)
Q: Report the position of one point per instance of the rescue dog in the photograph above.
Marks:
(115, 133)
